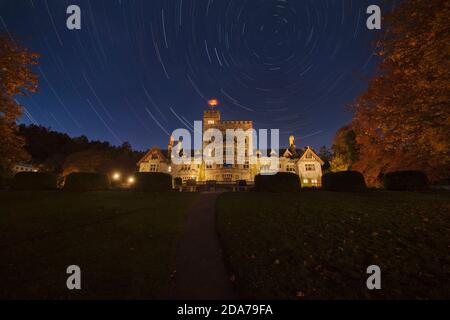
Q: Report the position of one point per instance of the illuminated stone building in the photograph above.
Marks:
(303, 162)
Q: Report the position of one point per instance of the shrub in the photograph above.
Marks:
(191, 183)
(178, 182)
(153, 181)
(241, 183)
(86, 181)
(280, 182)
(4, 183)
(211, 184)
(351, 181)
(34, 181)
(405, 180)
(115, 184)
(443, 182)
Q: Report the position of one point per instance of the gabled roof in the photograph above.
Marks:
(298, 154)
(292, 153)
(151, 152)
(309, 150)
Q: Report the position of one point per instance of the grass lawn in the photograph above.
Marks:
(318, 245)
(124, 243)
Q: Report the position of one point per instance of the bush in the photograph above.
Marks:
(191, 183)
(86, 181)
(178, 182)
(4, 183)
(442, 182)
(351, 181)
(241, 183)
(280, 182)
(405, 180)
(153, 181)
(34, 181)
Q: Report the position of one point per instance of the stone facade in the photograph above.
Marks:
(303, 162)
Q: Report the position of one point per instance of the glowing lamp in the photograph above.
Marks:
(213, 103)
(116, 176)
(131, 180)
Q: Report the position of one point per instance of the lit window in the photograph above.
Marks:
(169, 169)
(305, 181)
(227, 177)
(210, 121)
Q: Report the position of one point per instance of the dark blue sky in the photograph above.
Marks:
(138, 69)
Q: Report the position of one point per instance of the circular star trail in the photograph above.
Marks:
(139, 69)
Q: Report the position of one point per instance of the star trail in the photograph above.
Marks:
(139, 69)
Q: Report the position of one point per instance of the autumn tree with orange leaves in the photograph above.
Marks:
(402, 121)
(16, 78)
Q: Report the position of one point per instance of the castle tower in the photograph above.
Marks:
(292, 141)
(211, 117)
(292, 146)
(170, 147)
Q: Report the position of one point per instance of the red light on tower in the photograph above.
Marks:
(213, 103)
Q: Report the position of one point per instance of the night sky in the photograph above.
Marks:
(138, 69)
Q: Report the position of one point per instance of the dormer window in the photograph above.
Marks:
(210, 121)
(290, 168)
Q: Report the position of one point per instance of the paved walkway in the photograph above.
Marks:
(201, 273)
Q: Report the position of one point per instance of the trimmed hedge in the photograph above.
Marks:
(178, 182)
(405, 181)
(346, 181)
(152, 181)
(4, 183)
(86, 181)
(191, 183)
(241, 183)
(280, 182)
(34, 181)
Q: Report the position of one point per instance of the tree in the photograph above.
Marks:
(88, 161)
(326, 155)
(53, 152)
(402, 121)
(345, 149)
(16, 78)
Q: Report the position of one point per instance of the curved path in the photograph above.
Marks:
(200, 268)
